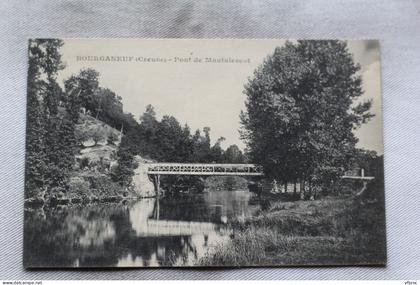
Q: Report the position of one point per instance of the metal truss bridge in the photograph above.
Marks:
(204, 169)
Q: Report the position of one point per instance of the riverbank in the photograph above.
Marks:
(334, 230)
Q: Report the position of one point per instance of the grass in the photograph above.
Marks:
(331, 231)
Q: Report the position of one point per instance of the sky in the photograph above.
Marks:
(200, 93)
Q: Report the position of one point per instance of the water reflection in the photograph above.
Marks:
(174, 231)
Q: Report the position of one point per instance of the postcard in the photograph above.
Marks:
(203, 153)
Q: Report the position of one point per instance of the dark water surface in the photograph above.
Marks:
(147, 232)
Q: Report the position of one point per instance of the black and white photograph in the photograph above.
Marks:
(203, 153)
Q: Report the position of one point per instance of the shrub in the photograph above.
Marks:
(78, 186)
(84, 162)
(97, 134)
(112, 138)
(81, 135)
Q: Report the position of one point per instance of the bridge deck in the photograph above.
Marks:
(221, 169)
(358, 177)
(204, 169)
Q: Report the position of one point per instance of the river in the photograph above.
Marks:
(171, 231)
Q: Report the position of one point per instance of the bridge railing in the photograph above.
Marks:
(204, 168)
(357, 174)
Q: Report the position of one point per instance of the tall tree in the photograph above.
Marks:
(83, 88)
(124, 171)
(148, 119)
(216, 151)
(172, 141)
(148, 128)
(35, 148)
(233, 155)
(201, 146)
(45, 149)
(301, 111)
(110, 109)
(50, 131)
(186, 144)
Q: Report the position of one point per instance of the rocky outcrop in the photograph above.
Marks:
(142, 185)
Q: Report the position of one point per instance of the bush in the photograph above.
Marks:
(78, 186)
(97, 134)
(112, 138)
(105, 186)
(84, 162)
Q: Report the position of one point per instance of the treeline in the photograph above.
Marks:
(99, 102)
(52, 138)
(168, 141)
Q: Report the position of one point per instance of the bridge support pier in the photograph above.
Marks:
(157, 184)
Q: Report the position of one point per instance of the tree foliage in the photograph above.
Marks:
(51, 142)
(97, 134)
(301, 111)
(233, 155)
(85, 92)
(55, 132)
(85, 84)
(166, 140)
